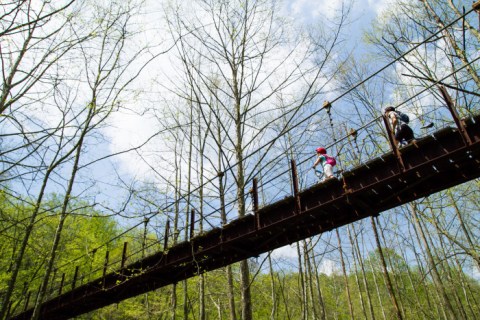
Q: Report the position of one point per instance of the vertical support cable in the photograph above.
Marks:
(327, 105)
(354, 134)
(295, 187)
(453, 111)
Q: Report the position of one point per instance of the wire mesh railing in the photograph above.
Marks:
(358, 147)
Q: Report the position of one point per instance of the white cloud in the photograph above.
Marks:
(476, 272)
(309, 9)
(286, 252)
(289, 252)
(328, 267)
(130, 130)
(378, 6)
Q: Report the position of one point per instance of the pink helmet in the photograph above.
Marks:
(321, 150)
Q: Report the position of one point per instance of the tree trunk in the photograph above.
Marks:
(364, 276)
(395, 284)
(273, 313)
(223, 216)
(460, 54)
(201, 142)
(309, 280)
(450, 314)
(473, 252)
(176, 234)
(448, 270)
(63, 216)
(377, 288)
(323, 311)
(301, 282)
(385, 271)
(357, 280)
(345, 276)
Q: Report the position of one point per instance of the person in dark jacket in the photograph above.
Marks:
(402, 132)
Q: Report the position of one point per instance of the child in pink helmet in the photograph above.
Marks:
(327, 162)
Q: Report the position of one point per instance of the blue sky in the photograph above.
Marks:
(129, 129)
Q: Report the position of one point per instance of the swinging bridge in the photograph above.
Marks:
(443, 159)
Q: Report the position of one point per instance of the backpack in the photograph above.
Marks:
(403, 117)
(331, 160)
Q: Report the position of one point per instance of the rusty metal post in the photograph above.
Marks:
(61, 284)
(75, 275)
(192, 223)
(254, 192)
(144, 240)
(393, 145)
(105, 265)
(94, 251)
(167, 231)
(295, 187)
(460, 124)
(124, 255)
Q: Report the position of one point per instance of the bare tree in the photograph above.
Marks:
(107, 72)
(34, 37)
(240, 46)
(446, 304)
(345, 276)
(385, 270)
(434, 39)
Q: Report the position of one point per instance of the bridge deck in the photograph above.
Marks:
(434, 163)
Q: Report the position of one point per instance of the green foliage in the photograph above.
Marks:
(415, 297)
(283, 298)
(84, 230)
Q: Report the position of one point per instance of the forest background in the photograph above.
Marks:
(119, 118)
